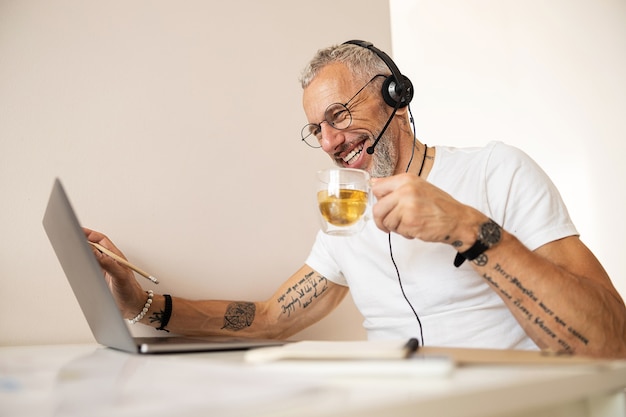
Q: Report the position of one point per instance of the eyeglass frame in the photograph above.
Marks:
(318, 126)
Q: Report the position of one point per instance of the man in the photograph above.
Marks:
(468, 247)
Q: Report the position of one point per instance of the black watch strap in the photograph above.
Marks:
(488, 236)
(472, 253)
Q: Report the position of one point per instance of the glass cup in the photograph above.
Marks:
(343, 199)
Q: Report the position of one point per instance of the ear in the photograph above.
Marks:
(403, 111)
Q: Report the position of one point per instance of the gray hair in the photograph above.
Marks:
(362, 62)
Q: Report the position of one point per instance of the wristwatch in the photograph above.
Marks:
(488, 236)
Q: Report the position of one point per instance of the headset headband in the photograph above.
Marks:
(397, 89)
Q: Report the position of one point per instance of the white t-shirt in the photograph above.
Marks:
(455, 305)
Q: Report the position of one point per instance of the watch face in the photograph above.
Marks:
(490, 233)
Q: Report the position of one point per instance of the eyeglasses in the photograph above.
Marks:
(336, 115)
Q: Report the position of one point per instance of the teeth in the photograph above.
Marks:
(353, 155)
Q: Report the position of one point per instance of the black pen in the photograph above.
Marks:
(411, 347)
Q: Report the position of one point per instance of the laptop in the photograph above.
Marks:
(95, 299)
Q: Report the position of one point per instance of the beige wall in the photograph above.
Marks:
(547, 76)
(175, 128)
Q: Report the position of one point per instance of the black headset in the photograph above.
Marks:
(397, 89)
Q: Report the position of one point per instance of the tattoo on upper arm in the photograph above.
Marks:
(239, 315)
(302, 293)
(547, 320)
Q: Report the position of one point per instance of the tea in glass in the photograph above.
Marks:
(343, 196)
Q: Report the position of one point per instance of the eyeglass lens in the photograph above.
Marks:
(336, 115)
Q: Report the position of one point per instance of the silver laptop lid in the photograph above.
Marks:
(84, 273)
(95, 299)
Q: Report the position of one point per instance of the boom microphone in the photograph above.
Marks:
(370, 150)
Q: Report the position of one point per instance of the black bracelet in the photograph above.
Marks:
(167, 313)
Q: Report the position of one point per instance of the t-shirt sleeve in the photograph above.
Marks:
(532, 209)
(321, 260)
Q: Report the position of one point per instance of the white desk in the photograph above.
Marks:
(89, 380)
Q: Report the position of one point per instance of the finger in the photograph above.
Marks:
(109, 264)
(94, 236)
(386, 203)
(383, 186)
(103, 240)
(382, 214)
(381, 225)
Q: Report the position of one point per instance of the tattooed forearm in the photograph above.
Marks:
(239, 315)
(481, 260)
(157, 317)
(303, 293)
(522, 308)
(536, 311)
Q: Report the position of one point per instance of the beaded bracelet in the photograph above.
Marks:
(145, 309)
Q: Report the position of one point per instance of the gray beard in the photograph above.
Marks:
(385, 157)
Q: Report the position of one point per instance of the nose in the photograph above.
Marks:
(331, 139)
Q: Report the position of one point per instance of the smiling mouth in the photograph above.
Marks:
(354, 154)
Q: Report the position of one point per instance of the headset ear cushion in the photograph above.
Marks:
(394, 93)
